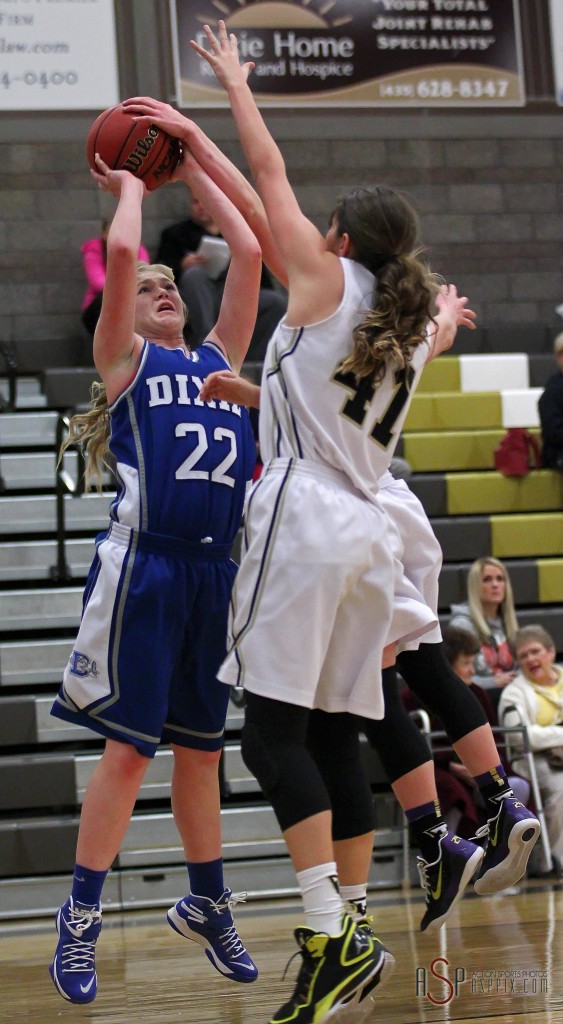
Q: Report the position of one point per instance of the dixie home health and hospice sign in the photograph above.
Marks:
(359, 52)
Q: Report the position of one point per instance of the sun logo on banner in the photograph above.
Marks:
(279, 14)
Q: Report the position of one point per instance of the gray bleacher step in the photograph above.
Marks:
(28, 429)
(38, 513)
(44, 845)
(246, 831)
(36, 471)
(156, 782)
(25, 386)
(33, 560)
(145, 888)
(44, 779)
(40, 609)
(47, 780)
(29, 394)
(27, 663)
(41, 896)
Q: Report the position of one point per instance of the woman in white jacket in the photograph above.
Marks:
(534, 698)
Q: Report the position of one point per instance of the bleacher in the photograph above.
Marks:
(463, 407)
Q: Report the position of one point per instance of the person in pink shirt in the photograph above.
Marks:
(94, 263)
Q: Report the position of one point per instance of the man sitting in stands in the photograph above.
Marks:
(201, 292)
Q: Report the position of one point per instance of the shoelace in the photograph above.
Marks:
(422, 867)
(229, 904)
(83, 918)
(481, 833)
(229, 937)
(78, 955)
(304, 977)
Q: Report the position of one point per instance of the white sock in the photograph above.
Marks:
(322, 901)
(356, 896)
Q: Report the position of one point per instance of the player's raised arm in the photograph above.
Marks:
(223, 172)
(301, 245)
(116, 345)
(239, 304)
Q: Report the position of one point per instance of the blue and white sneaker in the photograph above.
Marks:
(74, 966)
(445, 879)
(211, 924)
(512, 834)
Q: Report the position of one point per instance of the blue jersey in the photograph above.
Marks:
(182, 464)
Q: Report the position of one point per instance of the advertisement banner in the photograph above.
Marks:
(556, 19)
(400, 53)
(57, 55)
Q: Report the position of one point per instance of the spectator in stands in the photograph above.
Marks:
(534, 698)
(551, 413)
(489, 615)
(94, 258)
(202, 293)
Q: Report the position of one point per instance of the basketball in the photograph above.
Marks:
(125, 145)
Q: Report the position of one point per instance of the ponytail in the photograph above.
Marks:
(383, 230)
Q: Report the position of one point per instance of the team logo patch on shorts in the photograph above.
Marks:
(81, 665)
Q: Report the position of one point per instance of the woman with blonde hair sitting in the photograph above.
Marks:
(489, 614)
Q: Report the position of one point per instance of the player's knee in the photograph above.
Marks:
(123, 760)
(194, 759)
(258, 758)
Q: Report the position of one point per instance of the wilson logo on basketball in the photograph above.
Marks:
(170, 158)
(142, 148)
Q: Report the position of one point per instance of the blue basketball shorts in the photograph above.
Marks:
(151, 640)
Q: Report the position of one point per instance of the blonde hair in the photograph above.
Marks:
(506, 609)
(91, 429)
(383, 230)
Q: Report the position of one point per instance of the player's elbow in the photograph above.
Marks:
(120, 250)
(251, 253)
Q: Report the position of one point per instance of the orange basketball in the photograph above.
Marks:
(124, 144)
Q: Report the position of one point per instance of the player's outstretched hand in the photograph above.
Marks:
(223, 57)
(113, 181)
(227, 386)
(145, 109)
(448, 300)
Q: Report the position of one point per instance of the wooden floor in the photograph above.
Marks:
(501, 956)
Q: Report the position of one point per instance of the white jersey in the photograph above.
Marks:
(309, 410)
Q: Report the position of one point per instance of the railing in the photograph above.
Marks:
(61, 573)
(11, 369)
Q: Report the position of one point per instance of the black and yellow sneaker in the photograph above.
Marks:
(337, 974)
(381, 977)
